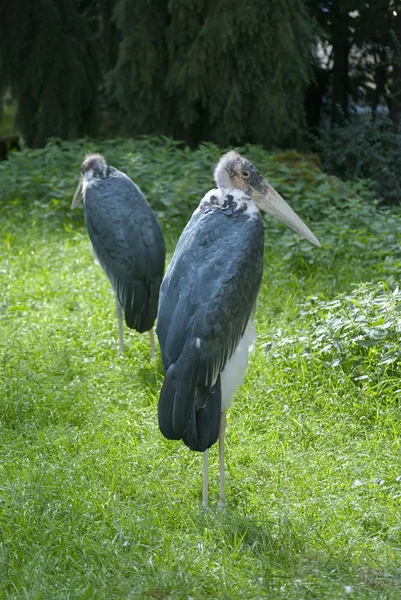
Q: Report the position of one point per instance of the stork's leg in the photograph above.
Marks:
(119, 313)
(152, 343)
(223, 422)
(205, 478)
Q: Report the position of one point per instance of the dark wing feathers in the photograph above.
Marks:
(128, 242)
(206, 300)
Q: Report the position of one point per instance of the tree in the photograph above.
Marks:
(365, 41)
(336, 21)
(48, 62)
(137, 82)
(205, 70)
(395, 86)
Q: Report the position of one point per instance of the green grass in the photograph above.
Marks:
(95, 503)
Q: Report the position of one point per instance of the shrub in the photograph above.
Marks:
(357, 331)
(365, 150)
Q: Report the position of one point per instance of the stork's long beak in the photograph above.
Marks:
(266, 198)
(78, 194)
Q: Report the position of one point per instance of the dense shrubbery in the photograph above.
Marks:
(365, 149)
(358, 331)
(173, 177)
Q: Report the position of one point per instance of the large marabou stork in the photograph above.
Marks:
(208, 302)
(127, 241)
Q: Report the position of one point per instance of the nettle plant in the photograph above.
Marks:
(358, 332)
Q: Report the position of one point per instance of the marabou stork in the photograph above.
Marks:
(208, 302)
(127, 241)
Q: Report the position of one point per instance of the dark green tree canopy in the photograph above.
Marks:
(204, 70)
(47, 61)
(226, 71)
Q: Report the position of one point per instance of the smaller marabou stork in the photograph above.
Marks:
(208, 302)
(127, 241)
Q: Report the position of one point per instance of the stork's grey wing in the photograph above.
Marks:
(206, 300)
(129, 244)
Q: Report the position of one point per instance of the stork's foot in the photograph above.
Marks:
(221, 505)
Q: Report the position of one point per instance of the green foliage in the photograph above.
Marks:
(136, 83)
(173, 177)
(358, 332)
(365, 149)
(47, 60)
(194, 70)
(213, 71)
(95, 503)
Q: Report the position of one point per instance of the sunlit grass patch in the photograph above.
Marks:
(95, 503)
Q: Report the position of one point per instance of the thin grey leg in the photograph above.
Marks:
(223, 421)
(119, 313)
(152, 343)
(205, 478)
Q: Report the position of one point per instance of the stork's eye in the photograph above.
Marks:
(246, 174)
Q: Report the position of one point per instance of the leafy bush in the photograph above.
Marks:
(344, 216)
(358, 331)
(367, 150)
(173, 177)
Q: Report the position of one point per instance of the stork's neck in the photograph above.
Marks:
(88, 179)
(229, 200)
(222, 178)
(93, 177)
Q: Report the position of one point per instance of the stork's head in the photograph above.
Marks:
(235, 171)
(93, 167)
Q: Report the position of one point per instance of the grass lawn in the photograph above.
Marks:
(95, 503)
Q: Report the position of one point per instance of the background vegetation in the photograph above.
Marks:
(95, 503)
(198, 71)
(282, 74)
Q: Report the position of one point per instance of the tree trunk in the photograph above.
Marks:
(381, 77)
(340, 68)
(110, 35)
(395, 89)
(314, 95)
